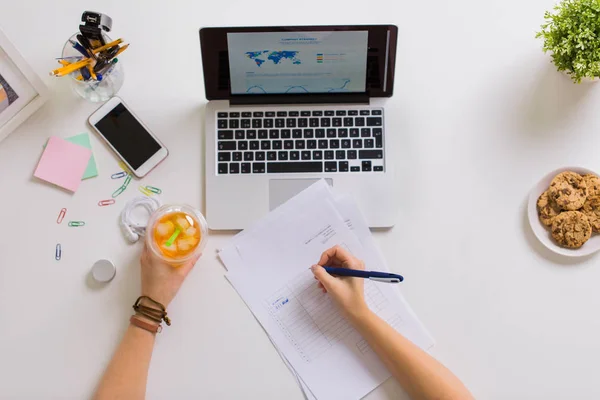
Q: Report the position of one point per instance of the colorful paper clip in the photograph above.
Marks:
(58, 253)
(61, 215)
(118, 191)
(153, 189)
(123, 166)
(145, 191)
(127, 180)
(76, 223)
(118, 175)
(106, 202)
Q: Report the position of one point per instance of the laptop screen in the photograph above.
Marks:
(297, 62)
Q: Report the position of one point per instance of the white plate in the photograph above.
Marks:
(543, 233)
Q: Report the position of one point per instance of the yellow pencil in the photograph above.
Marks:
(71, 68)
(64, 63)
(107, 46)
(122, 49)
(92, 73)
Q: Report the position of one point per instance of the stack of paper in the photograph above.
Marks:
(268, 264)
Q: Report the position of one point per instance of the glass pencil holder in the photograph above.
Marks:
(93, 90)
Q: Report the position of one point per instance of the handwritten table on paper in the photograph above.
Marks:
(270, 272)
(311, 320)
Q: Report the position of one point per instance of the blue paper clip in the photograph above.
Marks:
(118, 175)
(58, 253)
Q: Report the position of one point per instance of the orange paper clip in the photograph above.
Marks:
(61, 215)
(106, 202)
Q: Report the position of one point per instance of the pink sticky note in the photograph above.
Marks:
(63, 163)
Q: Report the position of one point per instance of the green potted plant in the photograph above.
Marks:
(572, 35)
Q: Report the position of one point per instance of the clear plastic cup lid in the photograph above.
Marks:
(176, 233)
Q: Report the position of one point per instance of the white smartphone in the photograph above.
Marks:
(128, 136)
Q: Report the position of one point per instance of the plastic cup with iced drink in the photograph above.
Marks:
(176, 233)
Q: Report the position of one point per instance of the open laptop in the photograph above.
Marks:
(291, 105)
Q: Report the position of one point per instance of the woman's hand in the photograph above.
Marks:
(161, 281)
(347, 292)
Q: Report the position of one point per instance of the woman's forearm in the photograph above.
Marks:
(126, 375)
(419, 374)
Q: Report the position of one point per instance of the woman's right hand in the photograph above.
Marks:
(347, 292)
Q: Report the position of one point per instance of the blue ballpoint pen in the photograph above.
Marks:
(372, 275)
(79, 48)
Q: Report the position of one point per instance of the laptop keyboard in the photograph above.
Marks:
(300, 141)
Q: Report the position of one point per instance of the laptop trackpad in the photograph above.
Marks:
(281, 190)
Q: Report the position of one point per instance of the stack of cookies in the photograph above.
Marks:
(571, 208)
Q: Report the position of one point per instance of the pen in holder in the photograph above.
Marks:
(108, 82)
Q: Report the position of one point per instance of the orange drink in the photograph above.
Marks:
(176, 233)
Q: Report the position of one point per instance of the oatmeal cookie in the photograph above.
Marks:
(547, 209)
(571, 229)
(568, 190)
(591, 209)
(593, 184)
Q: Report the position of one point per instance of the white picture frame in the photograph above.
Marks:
(22, 92)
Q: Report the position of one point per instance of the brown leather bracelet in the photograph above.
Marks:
(156, 314)
(134, 320)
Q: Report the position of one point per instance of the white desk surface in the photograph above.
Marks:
(480, 115)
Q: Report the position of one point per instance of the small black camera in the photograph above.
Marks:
(97, 20)
(95, 23)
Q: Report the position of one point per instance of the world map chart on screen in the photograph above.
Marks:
(291, 62)
(274, 56)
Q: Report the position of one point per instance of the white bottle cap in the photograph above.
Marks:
(103, 271)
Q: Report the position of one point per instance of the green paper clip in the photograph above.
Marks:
(154, 189)
(76, 223)
(173, 237)
(127, 180)
(118, 191)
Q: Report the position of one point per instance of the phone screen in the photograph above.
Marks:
(131, 140)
